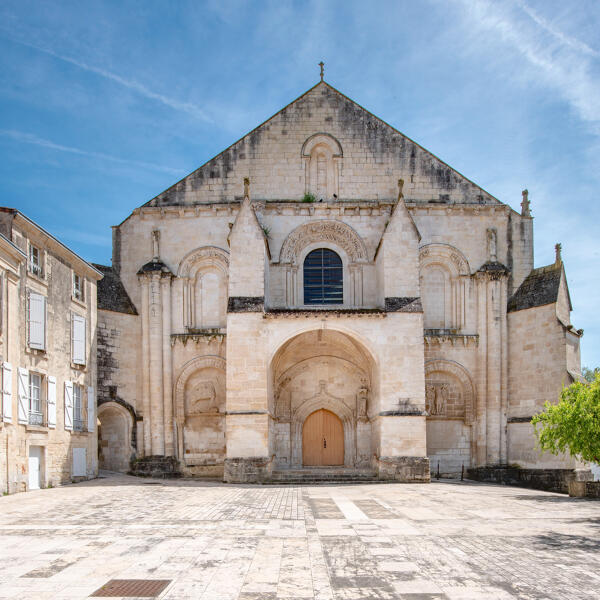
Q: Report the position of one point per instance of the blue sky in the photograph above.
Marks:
(105, 104)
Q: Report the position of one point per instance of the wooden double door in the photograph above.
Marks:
(322, 439)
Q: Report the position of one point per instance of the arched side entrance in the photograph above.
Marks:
(114, 435)
(329, 373)
(322, 439)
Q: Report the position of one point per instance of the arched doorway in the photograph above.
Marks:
(322, 392)
(114, 435)
(322, 439)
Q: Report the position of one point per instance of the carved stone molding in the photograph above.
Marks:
(445, 254)
(323, 231)
(205, 255)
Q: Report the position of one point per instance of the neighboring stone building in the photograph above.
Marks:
(48, 355)
(327, 292)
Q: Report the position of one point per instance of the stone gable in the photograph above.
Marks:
(367, 158)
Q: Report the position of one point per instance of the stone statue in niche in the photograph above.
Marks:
(430, 398)
(282, 403)
(362, 400)
(436, 397)
(441, 398)
(492, 236)
(203, 398)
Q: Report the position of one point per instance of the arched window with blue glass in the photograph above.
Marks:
(323, 277)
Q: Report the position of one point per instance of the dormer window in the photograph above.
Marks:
(323, 277)
(78, 287)
(35, 260)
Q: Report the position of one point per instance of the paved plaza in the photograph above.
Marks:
(212, 541)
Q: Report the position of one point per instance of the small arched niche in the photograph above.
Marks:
(322, 155)
(444, 277)
(204, 273)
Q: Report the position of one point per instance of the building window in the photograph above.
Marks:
(36, 321)
(77, 407)
(36, 415)
(323, 278)
(35, 260)
(78, 287)
(78, 327)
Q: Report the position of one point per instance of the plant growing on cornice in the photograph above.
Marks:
(308, 197)
(266, 231)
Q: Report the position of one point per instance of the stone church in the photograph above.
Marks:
(326, 293)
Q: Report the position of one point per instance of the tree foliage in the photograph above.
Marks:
(573, 424)
(590, 374)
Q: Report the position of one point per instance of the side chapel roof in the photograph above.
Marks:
(540, 287)
(112, 294)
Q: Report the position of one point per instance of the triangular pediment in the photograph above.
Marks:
(370, 156)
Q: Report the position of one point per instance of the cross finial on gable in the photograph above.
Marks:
(557, 250)
(322, 65)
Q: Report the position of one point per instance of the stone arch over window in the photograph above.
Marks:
(204, 272)
(444, 275)
(322, 155)
(335, 236)
(449, 391)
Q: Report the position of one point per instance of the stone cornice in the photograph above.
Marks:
(323, 313)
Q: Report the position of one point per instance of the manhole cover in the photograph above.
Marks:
(132, 588)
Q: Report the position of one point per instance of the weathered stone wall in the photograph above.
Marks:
(368, 156)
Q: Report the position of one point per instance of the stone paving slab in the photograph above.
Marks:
(445, 540)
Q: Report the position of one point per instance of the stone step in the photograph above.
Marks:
(323, 475)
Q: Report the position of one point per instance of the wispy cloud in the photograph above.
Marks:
(29, 138)
(132, 84)
(559, 61)
(572, 42)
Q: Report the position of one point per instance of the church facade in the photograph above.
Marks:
(327, 293)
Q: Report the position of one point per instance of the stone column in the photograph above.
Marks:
(493, 374)
(493, 368)
(481, 385)
(167, 366)
(146, 366)
(155, 335)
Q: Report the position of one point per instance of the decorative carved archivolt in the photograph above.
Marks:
(323, 231)
(207, 255)
(445, 255)
(436, 394)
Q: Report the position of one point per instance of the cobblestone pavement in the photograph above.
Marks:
(335, 542)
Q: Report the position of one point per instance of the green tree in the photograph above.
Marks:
(573, 424)
(590, 374)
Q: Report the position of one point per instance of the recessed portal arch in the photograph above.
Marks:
(322, 369)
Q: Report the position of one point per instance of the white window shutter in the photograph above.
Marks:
(91, 409)
(7, 392)
(78, 339)
(79, 468)
(51, 402)
(37, 321)
(23, 395)
(69, 405)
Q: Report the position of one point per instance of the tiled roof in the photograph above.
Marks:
(540, 287)
(111, 293)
